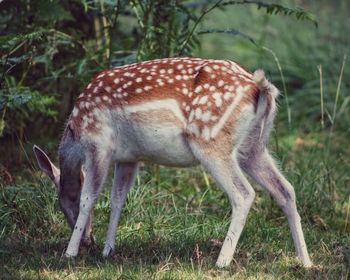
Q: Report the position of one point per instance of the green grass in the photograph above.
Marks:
(173, 229)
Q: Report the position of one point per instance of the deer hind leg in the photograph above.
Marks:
(124, 177)
(262, 168)
(228, 175)
(96, 166)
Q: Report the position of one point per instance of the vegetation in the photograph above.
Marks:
(175, 219)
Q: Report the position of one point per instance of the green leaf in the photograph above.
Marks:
(8, 42)
(2, 126)
(52, 11)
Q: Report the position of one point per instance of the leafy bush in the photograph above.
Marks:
(50, 49)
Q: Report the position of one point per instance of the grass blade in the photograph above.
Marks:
(319, 67)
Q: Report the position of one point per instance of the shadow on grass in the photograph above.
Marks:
(132, 257)
(36, 256)
(20, 259)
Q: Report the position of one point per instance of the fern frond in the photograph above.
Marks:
(275, 9)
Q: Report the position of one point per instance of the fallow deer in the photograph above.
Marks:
(175, 112)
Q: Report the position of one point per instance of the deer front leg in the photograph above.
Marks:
(262, 168)
(124, 177)
(96, 171)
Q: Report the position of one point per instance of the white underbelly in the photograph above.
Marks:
(152, 135)
(161, 145)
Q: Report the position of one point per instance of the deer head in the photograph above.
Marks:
(68, 187)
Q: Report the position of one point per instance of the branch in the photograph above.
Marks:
(229, 31)
(184, 43)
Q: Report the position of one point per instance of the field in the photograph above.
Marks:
(175, 220)
(173, 228)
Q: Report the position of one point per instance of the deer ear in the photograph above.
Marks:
(46, 165)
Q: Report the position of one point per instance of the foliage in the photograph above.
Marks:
(52, 48)
(276, 9)
(301, 51)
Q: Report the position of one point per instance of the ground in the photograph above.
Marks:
(173, 223)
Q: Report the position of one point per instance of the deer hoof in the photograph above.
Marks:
(69, 256)
(108, 250)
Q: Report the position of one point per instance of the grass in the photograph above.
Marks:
(173, 229)
(172, 226)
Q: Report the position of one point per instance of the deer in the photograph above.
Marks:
(177, 112)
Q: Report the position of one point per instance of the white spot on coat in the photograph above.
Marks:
(206, 133)
(227, 95)
(206, 116)
(180, 66)
(198, 113)
(208, 69)
(198, 89)
(75, 112)
(203, 99)
(195, 101)
(194, 129)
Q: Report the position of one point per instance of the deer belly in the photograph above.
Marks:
(156, 137)
(164, 145)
